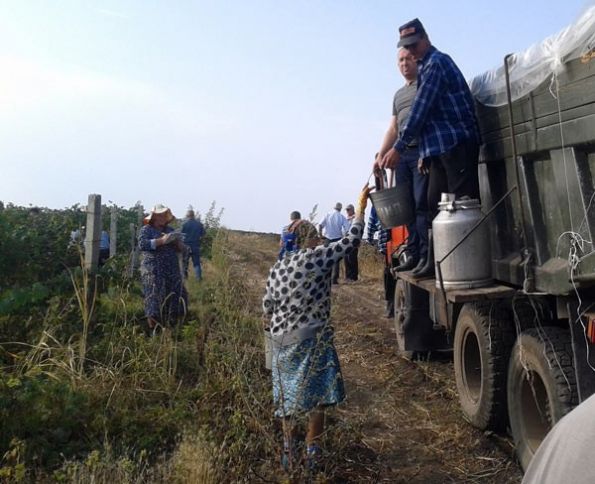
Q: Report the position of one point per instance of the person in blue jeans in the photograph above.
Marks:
(417, 241)
(104, 244)
(442, 121)
(407, 169)
(193, 231)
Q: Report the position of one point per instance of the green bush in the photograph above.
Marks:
(50, 417)
(123, 408)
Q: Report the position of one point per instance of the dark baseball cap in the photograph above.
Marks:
(410, 33)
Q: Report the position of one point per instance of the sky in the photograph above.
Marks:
(264, 107)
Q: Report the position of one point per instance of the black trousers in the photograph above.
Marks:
(389, 285)
(453, 172)
(336, 267)
(103, 256)
(351, 266)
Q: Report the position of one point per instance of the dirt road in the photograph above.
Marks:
(401, 421)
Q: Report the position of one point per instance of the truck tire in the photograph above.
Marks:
(483, 340)
(541, 386)
(401, 307)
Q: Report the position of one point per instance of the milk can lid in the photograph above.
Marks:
(449, 203)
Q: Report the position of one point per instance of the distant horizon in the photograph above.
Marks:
(83, 209)
(264, 108)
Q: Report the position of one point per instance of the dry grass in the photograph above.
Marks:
(401, 421)
(371, 262)
(193, 461)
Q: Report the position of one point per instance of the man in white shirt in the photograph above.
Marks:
(332, 228)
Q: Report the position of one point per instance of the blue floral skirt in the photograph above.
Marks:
(307, 374)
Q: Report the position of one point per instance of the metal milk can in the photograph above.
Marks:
(470, 264)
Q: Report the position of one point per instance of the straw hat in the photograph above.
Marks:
(158, 209)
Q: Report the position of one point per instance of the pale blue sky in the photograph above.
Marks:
(264, 106)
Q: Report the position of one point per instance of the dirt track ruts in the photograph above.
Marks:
(406, 418)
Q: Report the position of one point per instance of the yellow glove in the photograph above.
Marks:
(362, 201)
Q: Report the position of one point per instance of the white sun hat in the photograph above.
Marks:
(159, 209)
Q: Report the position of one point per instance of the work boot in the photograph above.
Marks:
(409, 264)
(428, 269)
(390, 309)
(420, 265)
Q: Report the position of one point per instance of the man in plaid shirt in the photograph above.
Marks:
(442, 118)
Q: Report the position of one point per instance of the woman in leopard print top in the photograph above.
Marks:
(297, 306)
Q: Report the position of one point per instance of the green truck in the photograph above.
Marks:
(524, 347)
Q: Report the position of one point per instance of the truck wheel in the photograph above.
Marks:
(541, 386)
(401, 306)
(482, 343)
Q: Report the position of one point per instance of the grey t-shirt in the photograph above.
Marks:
(402, 103)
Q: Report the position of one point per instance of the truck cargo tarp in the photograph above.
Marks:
(528, 69)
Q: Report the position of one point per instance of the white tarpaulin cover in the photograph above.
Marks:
(528, 69)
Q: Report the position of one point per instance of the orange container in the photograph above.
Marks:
(398, 235)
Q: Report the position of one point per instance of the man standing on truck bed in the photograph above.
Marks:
(442, 119)
(407, 170)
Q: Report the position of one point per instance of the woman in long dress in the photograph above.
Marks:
(305, 367)
(165, 296)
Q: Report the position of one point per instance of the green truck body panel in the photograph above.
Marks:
(554, 128)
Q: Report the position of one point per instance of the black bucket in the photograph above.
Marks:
(394, 206)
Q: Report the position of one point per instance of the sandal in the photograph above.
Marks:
(313, 458)
(289, 456)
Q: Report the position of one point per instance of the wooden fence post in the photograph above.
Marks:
(113, 229)
(93, 232)
(135, 231)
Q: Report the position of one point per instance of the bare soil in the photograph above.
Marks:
(405, 416)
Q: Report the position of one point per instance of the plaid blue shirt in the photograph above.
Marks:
(374, 226)
(443, 113)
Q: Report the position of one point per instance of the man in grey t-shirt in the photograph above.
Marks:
(407, 169)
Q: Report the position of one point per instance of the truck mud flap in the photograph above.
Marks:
(416, 329)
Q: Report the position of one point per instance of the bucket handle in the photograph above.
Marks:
(384, 180)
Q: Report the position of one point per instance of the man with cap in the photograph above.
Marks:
(333, 227)
(351, 266)
(442, 119)
(407, 170)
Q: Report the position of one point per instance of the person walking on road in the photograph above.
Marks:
(390, 244)
(291, 235)
(442, 119)
(351, 264)
(193, 231)
(333, 227)
(104, 244)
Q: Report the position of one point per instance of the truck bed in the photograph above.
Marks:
(494, 291)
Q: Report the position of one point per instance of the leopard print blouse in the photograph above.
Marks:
(298, 290)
